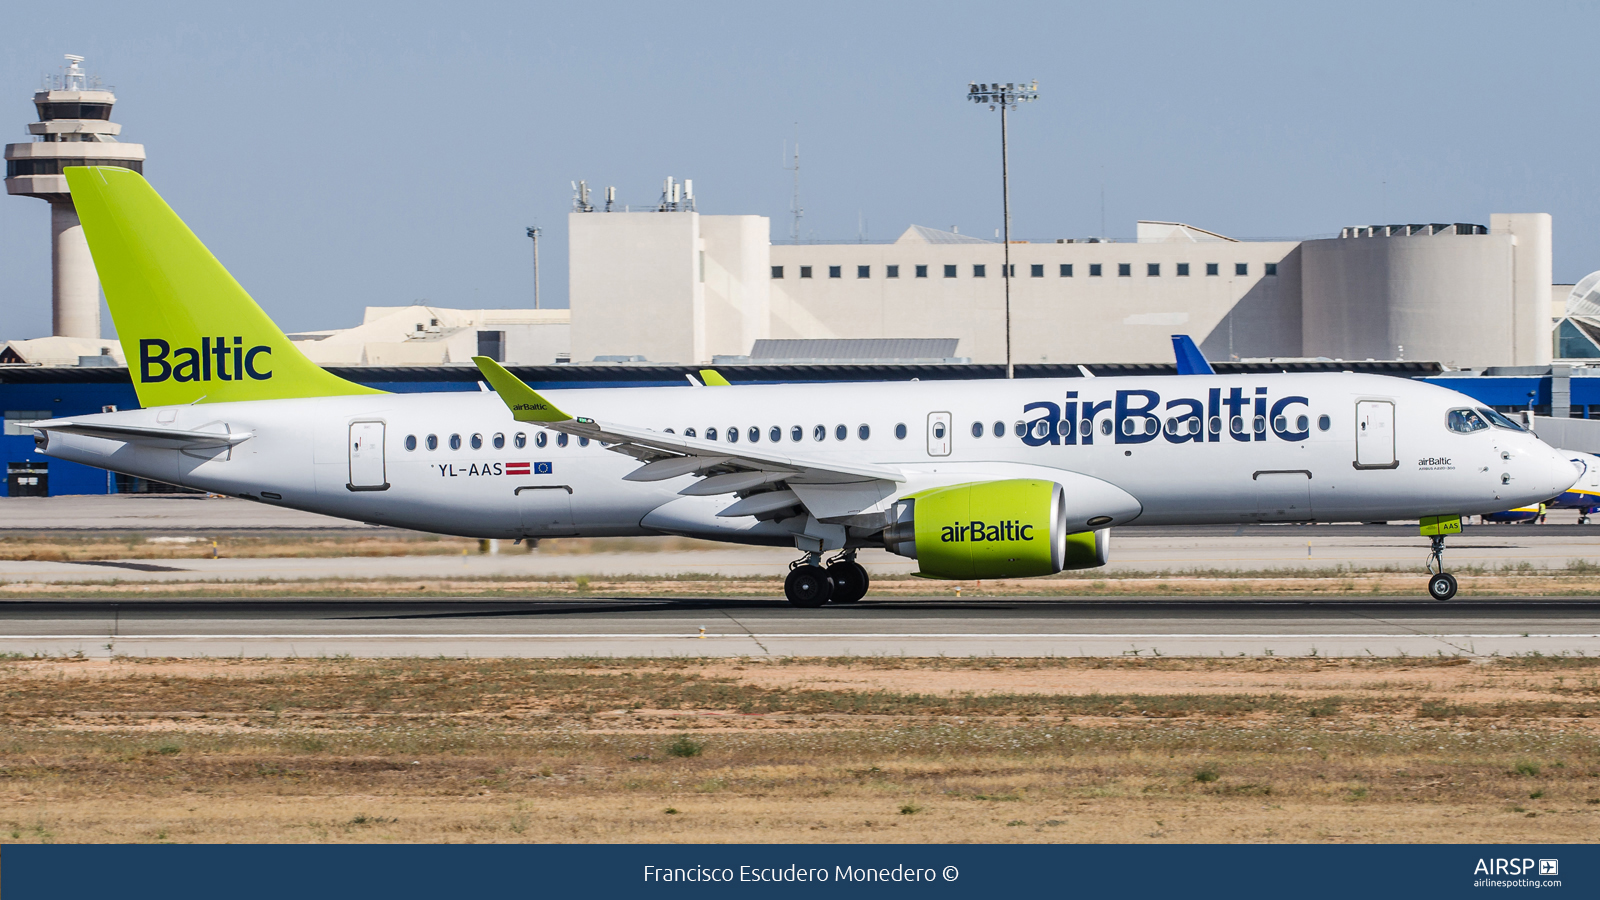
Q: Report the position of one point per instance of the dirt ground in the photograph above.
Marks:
(800, 750)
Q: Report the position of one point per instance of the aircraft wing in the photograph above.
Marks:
(767, 481)
(143, 434)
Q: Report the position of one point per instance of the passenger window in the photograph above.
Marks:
(1105, 426)
(977, 429)
(1324, 423)
(1236, 425)
(774, 434)
(499, 441)
(561, 440)
(840, 433)
(477, 442)
(1041, 428)
(1260, 424)
(733, 435)
(433, 442)
(1021, 429)
(755, 434)
(411, 442)
(669, 431)
(938, 430)
(455, 442)
(541, 439)
(819, 433)
(1280, 424)
(1216, 425)
(1465, 421)
(900, 431)
(796, 433)
(1127, 426)
(998, 429)
(711, 434)
(864, 431)
(688, 432)
(583, 442)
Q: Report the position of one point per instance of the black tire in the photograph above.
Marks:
(850, 582)
(808, 586)
(1442, 586)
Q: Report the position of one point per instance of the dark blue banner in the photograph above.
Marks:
(343, 872)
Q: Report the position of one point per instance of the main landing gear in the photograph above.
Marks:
(1441, 584)
(811, 585)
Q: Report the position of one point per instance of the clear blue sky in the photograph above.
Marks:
(338, 155)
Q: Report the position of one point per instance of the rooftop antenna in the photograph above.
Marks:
(580, 197)
(794, 205)
(611, 197)
(73, 78)
(688, 194)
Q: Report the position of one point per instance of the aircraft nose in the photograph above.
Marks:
(1563, 471)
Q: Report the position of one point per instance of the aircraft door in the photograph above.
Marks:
(366, 457)
(939, 434)
(545, 509)
(1375, 435)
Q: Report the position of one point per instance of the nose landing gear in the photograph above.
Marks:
(1441, 584)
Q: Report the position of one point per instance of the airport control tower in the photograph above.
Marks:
(74, 129)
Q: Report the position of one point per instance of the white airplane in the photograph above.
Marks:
(973, 479)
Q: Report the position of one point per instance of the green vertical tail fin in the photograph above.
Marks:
(189, 330)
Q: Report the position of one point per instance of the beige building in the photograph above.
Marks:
(685, 288)
(432, 335)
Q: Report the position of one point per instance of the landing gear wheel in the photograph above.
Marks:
(850, 581)
(1442, 586)
(808, 586)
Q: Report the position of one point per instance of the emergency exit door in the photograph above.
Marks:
(366, 457)
(1375, 435)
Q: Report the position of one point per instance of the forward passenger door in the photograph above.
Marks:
(939, 437)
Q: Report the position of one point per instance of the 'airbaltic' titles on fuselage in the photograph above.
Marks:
(979, 531)
(1139, 416)
(158, 361)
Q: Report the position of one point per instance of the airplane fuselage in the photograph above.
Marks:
(1187, 450)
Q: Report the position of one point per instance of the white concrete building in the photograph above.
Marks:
(681, 287)
(74, 129)
(431, 335)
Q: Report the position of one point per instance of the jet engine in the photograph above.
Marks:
(993, 529)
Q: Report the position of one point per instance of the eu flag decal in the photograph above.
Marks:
(541, 468)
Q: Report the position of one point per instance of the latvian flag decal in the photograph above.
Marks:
(518, 468)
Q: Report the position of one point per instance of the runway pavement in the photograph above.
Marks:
(723, 628)
(1216, 548)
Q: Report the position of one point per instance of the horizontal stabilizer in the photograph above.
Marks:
(141, 434)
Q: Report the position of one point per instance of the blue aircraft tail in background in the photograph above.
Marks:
(1190, 361)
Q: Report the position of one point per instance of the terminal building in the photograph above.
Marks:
(678, 286)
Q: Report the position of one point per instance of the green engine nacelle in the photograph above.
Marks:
(993, 529)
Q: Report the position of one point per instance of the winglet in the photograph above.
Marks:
(526, 404)
(1190, 360)
(713, 378)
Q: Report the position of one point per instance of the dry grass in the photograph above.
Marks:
(800, 750)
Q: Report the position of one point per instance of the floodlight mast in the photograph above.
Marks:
(1006, 97)
(533, 232)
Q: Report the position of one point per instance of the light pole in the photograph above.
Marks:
(1006, 97)
(534, 232)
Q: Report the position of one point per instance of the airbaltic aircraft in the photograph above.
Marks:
(973, 479)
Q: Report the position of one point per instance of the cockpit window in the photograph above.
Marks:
(1465, 421)
(1499, 420)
